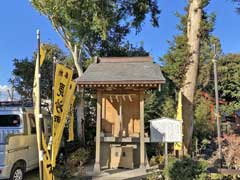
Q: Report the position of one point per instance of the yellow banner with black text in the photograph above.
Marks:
(64, 89)
(71, 120)
(47, 164)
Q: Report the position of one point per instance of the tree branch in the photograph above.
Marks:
(74, 51)
(76, 59)
(64, 36)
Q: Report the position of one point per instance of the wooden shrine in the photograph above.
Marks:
(120, 83)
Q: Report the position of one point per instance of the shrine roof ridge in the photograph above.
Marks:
(123, 59)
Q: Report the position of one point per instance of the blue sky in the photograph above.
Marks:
(19, 22)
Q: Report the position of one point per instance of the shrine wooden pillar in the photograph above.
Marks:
(142, 143)
(97, 167)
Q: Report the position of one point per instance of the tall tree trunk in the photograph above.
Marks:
(76, 58)
(189, 86)
(80, 106)
(80, 118)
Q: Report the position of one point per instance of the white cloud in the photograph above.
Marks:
(4, 96)
(4, 93)
(4, 88)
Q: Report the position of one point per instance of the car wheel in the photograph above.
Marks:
(17, 172)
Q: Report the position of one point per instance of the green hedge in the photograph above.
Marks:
(186, 169)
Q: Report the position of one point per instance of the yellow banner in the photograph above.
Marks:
(178, 146)
(47, 166)
(71, 120)
(37, 68)
(62, 78)
(42, 54)
(63, 91)
(47, 173)
(179, 108)
(59, 132)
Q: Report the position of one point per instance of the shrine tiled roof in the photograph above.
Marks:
(122, 70)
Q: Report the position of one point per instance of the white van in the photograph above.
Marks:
(18, 141)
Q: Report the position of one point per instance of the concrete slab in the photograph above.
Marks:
(122, 174)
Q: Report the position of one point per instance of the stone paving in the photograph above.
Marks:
(122, 174)
(114, 174)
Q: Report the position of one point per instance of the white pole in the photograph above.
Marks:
(38, 110)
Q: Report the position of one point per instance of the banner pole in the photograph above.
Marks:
(53, 89)
(39, 118)
(166, 155)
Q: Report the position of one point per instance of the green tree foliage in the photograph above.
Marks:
(126, 49)
(160, 103)
(82, 18)
(85, 26)
(152, 105)
(205, 76)
(229, 82)
(90, 117)
(23, 81)
(238, 5)
(187, 169)
(175, 66)
(168, 108)
(24, 73)
(203, 127)
(175, 60)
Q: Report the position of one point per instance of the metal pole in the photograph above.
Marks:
(217, 110)
(53, 80)
(166, 155)
(40, 118)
